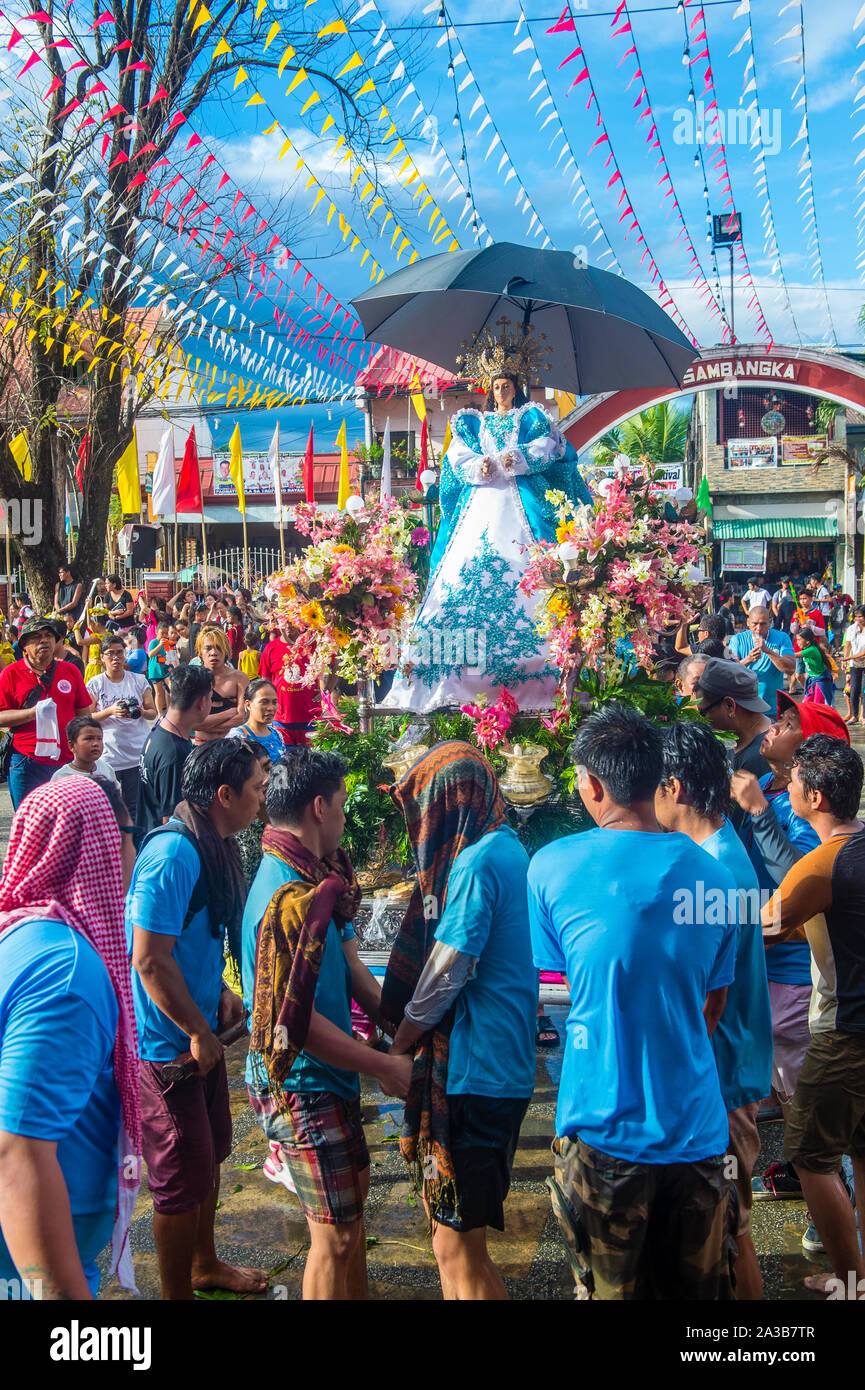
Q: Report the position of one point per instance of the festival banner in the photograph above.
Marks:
(802, 448)
(752, 453)
(258, 480)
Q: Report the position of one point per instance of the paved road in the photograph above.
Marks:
(261, 1224)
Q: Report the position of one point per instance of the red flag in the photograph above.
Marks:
(423, 465)
(83, 460)
(307, 468)
(189, 482)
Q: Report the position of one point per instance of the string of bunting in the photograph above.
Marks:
(566, 24)
(750, 87)
(581, 199)
(806, 184)
(858, 80)
(505, 165)
(653, 141)
(696, 34)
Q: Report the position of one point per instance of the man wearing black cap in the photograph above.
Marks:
(726, 693)
(38, 697)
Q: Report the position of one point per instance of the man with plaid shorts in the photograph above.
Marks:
(826, 891)
(318, 1148)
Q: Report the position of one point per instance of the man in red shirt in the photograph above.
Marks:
(297, 705)
(38, 676)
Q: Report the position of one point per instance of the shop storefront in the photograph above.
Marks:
(776, 546)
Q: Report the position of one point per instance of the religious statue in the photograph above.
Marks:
(475, 631)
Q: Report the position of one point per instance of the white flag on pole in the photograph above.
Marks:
(385, 462)
(163, 494)
(273, 462)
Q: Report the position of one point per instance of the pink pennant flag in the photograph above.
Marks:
(117, 110)
(211, 159)
(159, 95)
(145, 149)
(88, 120)
(175, 121)
(58, 82)
(192, 141)
(581, 77)
(106, 17)
(120, 47)
(222, 182)
(95, 89)
(625, 29)
(106, 141)
(37, 17)
(121, 158)
(135, 67)
(570, 56)
(139, 178)
(563, 23)
(33, 59)
(14, 38)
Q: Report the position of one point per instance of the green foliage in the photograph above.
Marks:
(374, 827)
(660, 433)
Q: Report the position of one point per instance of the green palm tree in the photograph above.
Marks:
(660, 433)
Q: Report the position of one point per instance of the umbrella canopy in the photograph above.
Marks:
(604, 332)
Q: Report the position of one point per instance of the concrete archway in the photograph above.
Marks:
(806, 370)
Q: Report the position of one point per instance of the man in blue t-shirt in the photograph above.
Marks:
(181, 1002)
(692, 798)
(317, 1143)
(640, 927)
(766, 651)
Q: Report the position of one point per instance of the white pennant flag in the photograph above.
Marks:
(385, 462)
(163, 494)
(743, 40)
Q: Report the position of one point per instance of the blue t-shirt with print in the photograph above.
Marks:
(271, 741)
(137, 661)
(165, 875)
(769, 679)
(638, 922)
(492, 1043)
(332, 989)
(742, 1041)
(58, 1021)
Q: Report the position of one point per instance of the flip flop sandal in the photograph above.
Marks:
(545, 1025)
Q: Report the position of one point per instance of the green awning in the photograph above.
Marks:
(779, 528)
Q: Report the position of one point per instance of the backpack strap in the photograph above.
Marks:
(201, 892)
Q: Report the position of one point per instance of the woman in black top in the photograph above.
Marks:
(120, 604)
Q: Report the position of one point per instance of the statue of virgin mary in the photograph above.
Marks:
(475, 630)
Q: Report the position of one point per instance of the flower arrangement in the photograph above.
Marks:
(351, 594)
(620, 572)
(490, 723)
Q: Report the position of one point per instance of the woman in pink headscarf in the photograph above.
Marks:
(70, 1121)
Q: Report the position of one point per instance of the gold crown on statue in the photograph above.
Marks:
(515, 352)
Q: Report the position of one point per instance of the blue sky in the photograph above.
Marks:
(484, 33)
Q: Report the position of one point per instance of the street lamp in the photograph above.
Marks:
(428, 480)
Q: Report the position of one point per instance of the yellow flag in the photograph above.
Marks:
(446, 441)
(417, 399)
(128, 482)
(235, 468)
(20, 451)
(342, 495)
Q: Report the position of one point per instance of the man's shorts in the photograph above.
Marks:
(644, 1231)
(187, 1134)
(324, 1146)
(827, 1118)
(484, 1131)
(745, 1149)
(790, 1034)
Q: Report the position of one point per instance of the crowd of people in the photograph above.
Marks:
(175, 877)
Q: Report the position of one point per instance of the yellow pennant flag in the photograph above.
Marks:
(128, 481)
(446, 441)
(20, 451)
(342, 495)
(417, 399)
(235, 468)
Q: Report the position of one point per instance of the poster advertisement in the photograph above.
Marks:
(257, 477)
(802, 448)
(753, 453)
(672, 475)
(744, 555)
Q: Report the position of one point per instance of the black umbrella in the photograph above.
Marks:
(604, 333)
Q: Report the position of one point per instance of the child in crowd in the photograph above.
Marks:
(235, 633)
(91, 645)
(136, 656)
(172, 655)
(157, 665)
(811, 646)
(84, 735)
(250, 657)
